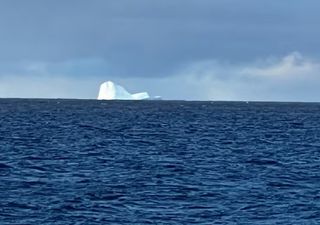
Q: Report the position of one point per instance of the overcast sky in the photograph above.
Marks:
(179, 49)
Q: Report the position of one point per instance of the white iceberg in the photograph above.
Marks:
(111, 91)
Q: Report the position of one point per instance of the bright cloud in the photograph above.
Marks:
(293, 64)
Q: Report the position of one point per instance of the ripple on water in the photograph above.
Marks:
(168, 162)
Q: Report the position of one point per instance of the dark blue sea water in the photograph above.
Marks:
(158, 162)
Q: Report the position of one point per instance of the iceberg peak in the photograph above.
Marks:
(111, 91)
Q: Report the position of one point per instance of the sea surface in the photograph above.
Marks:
(158, 162)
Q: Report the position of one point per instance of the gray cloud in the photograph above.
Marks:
(143, 38)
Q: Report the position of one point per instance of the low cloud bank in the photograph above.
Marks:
(291, 78)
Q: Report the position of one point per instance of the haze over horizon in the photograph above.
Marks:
(178, 49)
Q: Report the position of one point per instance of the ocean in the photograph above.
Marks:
(158, 162)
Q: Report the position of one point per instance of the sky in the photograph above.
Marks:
(248, 50)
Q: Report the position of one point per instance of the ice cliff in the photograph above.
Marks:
(111, 91)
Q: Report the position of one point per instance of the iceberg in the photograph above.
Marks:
(111, 91)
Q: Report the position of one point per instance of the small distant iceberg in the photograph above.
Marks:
(111, 91)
